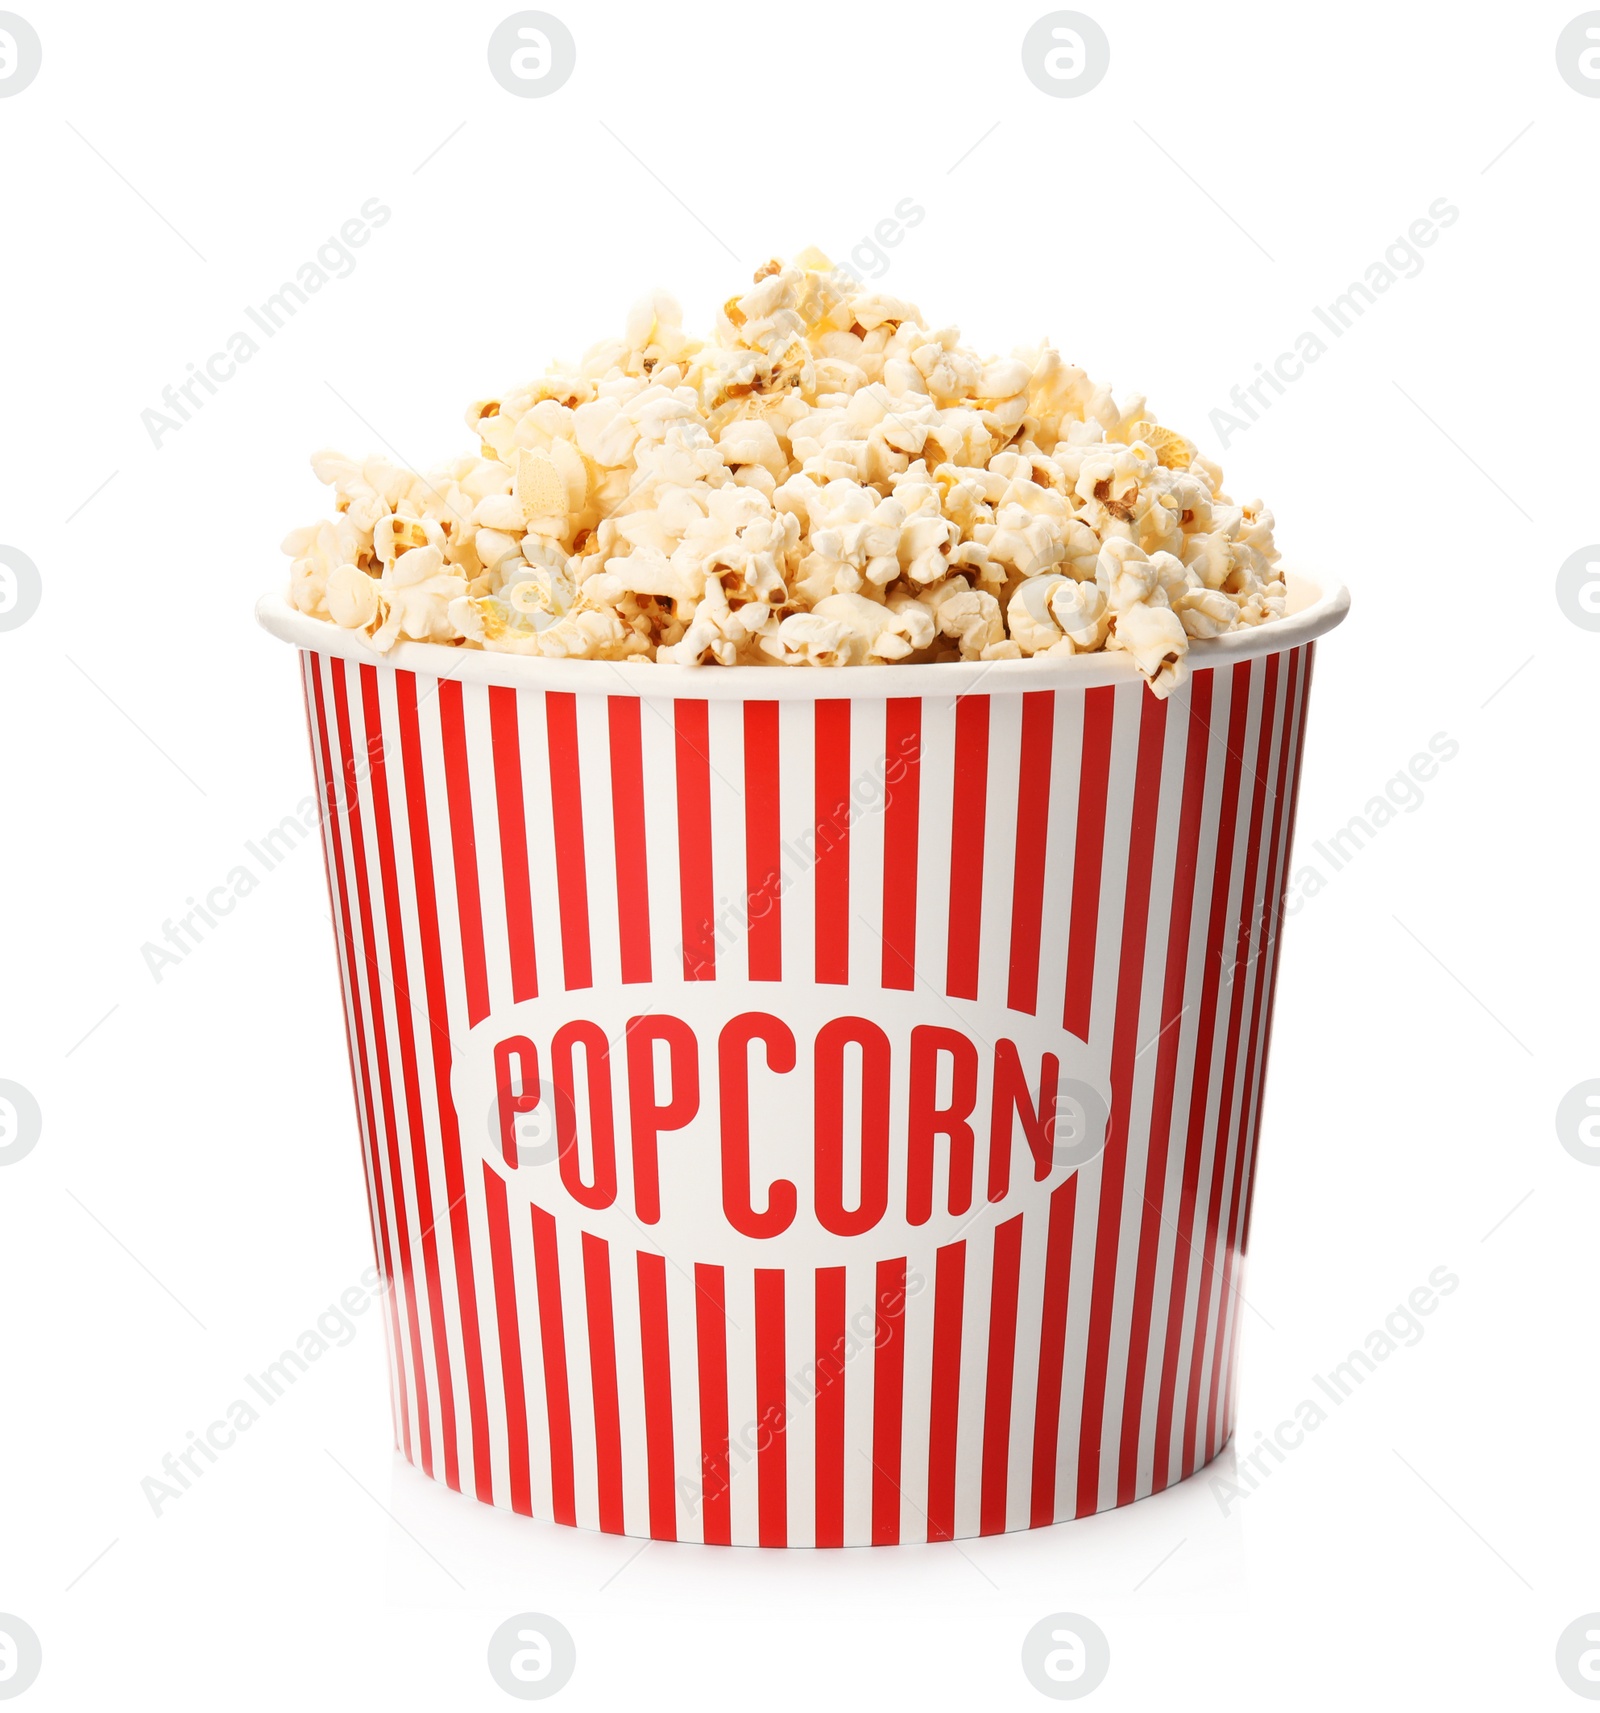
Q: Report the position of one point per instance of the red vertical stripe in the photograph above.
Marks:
(440, 1054)
(1239, 925)
(566, 802)
(1184, 1253)
(1094, 774)
(949, 1289)
(411, 1084)
(1231, 1052)
(832, 870)
(772, 1458)
(1052, 1351)
(553, 1351)
(968, 817)
(1309, 652)
(603, 1375)
(1269, 926)
(657, 1363)
(475, 970)
(1264, 927)
(505, 1297)
(1033, 827)
(1124, 1050)
(830, 1354)
(628, 834)
(997, 1391)
(711, 1349)
(380, 1041)
(344, 946)
(1196, 740)
(696, 876)
(902, 800)
(464, 849)
(763, 860)
(507, 746)
(360, 1079)
(316, 732)
(888, 1401)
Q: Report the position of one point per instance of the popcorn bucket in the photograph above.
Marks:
(807, 1107)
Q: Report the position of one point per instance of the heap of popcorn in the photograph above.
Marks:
(824, 482)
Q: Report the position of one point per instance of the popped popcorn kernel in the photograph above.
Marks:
(824, 481)
(1172, 451)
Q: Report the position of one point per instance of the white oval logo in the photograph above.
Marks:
(713, 1126)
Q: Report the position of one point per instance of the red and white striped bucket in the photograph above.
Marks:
(809, 1108)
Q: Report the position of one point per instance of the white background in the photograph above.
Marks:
(196, 1198)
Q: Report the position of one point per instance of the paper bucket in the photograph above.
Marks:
(808, 1108)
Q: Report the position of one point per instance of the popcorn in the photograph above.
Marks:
(1052, 614)
(540, 494)
(352, 598)
(851, 630)
(826, 481)
(415, 598)
(1155, 638)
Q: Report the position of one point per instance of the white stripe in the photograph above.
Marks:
(977, 1282)
(1060, 864)
(628, 1342)
(403, 1004)
(1102, 1027)
(800, 1408)
(917, 1332)
(999, 859)
(372, 961)
(1275, 861)
(1175, 1040)
(935, 878)
(1214, 839)
(1172, 1258)
(797, 788)
(860, 1333)
(429, 1120)
(739, 1300)
(580, 1385)
(592, 724)
(1025, 1368)
(1151, 979)
(729, 895)
(658, 763)
(684, 1358)
(1222, 1161)
(344, 899)
(473, 1145)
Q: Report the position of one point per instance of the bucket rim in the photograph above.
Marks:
(1315, 607)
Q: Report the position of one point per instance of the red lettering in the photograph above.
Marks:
(1011, 1100)
(650, 1116)
(832, 1039)
(733, 1074)
(512, 1101)
(926, 1119)
(853, 1149)
(602, 1128)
